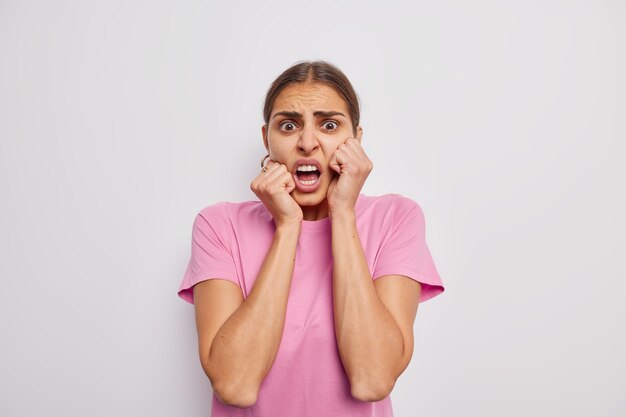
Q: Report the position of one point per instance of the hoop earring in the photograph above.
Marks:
(263, 160)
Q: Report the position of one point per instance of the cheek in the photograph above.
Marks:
(330, 147)
(332, 142)
(276, 150)
(280, 153)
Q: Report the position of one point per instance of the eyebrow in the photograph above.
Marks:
(319, 113)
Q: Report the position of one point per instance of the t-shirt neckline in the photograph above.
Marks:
(321, 224)
(313, 225)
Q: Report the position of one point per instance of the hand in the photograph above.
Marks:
(273, 188)
(352, 166)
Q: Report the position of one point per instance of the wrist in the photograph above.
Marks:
(342, 215)
(288, 226)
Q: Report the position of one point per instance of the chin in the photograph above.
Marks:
(310, 199)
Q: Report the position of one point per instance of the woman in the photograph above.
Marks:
(305, 300)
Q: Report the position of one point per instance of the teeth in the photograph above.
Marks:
(308, 182)
(307, 168)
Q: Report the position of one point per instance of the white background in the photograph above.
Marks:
(505, 121)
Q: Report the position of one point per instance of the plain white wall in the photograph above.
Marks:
(120, 120)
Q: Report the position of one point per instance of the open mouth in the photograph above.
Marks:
(307, 174)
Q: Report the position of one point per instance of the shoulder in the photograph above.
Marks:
(394, 206)
(230, 211)
(228, 217)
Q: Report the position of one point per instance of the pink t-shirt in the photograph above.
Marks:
(307, 379)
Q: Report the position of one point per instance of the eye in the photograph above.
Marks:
(330, 125)
(287, 126)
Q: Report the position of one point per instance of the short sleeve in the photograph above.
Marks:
(210, 253)
(405, 251)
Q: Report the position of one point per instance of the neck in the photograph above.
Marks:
(317, 212)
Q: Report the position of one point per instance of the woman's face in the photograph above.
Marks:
(308, 122)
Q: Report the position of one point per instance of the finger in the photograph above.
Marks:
(271, 168)
(270, 164)
(275, 174)
(262, 176)
(334, 164)
(289, 183)
(280, 181)
(354, 144)
(348, 153)
(354, 155)
(345, 157)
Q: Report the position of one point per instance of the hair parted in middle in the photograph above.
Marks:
(314, 71)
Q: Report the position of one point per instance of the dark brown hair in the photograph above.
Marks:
(314, 71)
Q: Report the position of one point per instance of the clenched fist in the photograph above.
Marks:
(273, 187)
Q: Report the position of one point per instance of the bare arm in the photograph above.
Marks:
(239, 339)
(373, 320)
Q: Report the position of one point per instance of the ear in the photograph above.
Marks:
(264, 133)
(359, 133)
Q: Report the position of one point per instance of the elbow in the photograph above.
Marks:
(235, 395)
(371, 390)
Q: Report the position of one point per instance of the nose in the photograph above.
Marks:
(308, 142)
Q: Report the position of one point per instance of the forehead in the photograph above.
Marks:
(303, 97)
